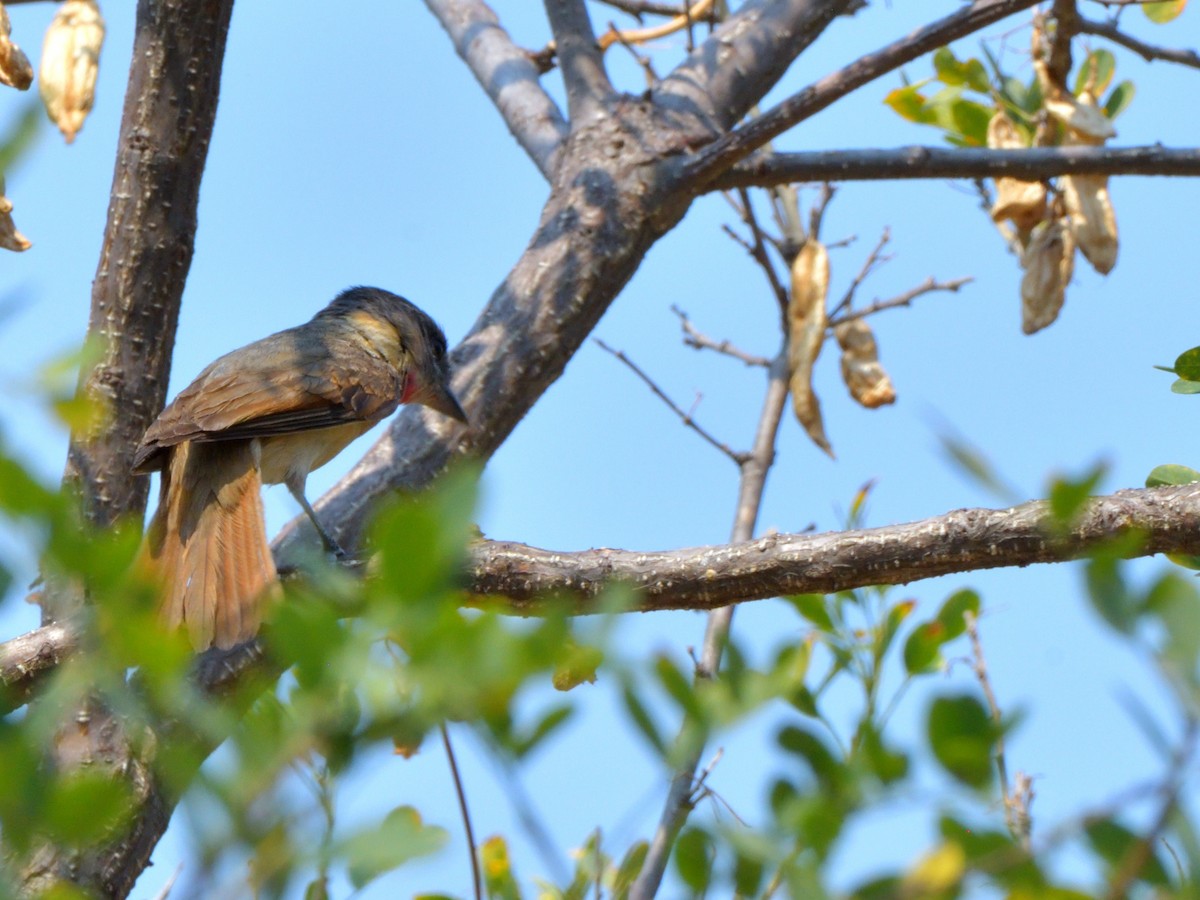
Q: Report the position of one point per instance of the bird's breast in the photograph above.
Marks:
(298, 454)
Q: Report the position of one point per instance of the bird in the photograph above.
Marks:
(270, 413)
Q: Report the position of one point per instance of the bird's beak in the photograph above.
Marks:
(438, 397)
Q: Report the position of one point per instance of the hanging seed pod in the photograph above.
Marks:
(806, 334)
(1084, 120)
(869, 384)
(70, 59)
(1022, 202)
(1049, 262)
(1091, 218)
(10, 238)
(15, 70)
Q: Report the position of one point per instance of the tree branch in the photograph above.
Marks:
(722, 153)
(580, 59)
(1148, 52)
(964, 540)
(508, 76)
(744, 57)
(1029, 164)
(524, 580)
(170, 108)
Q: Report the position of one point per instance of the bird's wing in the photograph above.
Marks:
(275, 387)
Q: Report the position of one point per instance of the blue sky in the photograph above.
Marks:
(352, 147)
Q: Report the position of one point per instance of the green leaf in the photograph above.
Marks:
(1095, 72)
(1163, 11)
(888, 765)
(400, 837)
(15, 145)
(1120, 98)
(550, 722)
(1184, 386)
(961, 734)
(922, 650)
(694, 859)
(1107, 591)
(678, 686)
(86, 806)
(1113, 843)
(1069, 495)
(812, 607)
(953, 614)
(1176, 603)
(498, 877)
(1187, 364)
(1171, 474)
(828, 771)
(909, 103)
(629, 869)
(641, 718)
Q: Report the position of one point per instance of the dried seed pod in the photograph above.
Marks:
(1084, 120)
(15, 70)
(70, 58)
(1049, 262)
(1022, 202)
(1091, 218)
(869, 384)
(806, 333)
(10, 238)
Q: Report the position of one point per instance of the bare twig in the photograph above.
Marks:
(639, 8)
(684, 20)
(507, 74)
(1148, 52)
(732, 147)
(873, 260)
(1016, 816)
(693, 337)
(686, 418)
(929, 285)
(751, 486)
(472, 848)
(643, 61)
(1030, 164)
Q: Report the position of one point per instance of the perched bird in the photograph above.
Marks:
(272, 412)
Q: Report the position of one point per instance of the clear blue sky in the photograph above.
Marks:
(352, 147)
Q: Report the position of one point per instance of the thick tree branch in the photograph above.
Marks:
(735, 146)
(526, 580)
(580, 59)
(1029, 164)
(1148, 52)
(508, 76)
(744, 58)
(170, 108)
(961, 541)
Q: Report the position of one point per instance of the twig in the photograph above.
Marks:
(817, 213)
(693, 337)
(643, 61)
(735, 145)
(739, 458)
(874, 259)
(750, 491)
(759, 251)
(1016, 810)
(462, 806)
(917, 162)
(639, 8)
(1148, 52)
(642, 35)
(927, 286)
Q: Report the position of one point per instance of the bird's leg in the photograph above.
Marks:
(331, 545)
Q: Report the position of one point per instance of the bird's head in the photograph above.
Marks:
(422, 346)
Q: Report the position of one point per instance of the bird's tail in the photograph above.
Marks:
(208, 544)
